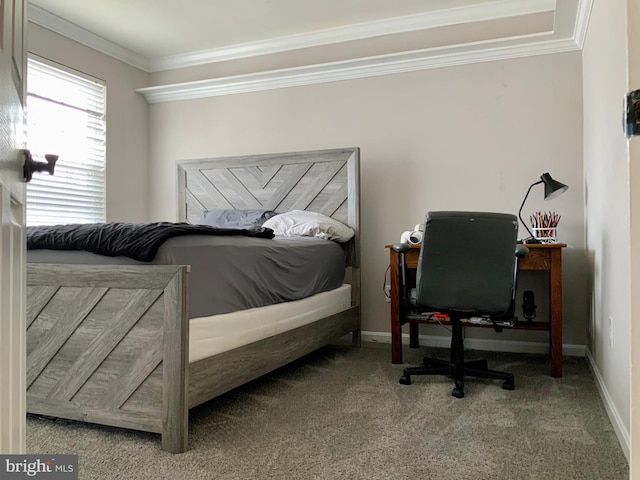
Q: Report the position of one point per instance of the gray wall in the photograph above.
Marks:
(607, 203)
(633, 55)
(468, 137)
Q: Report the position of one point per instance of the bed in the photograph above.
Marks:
(114, 342)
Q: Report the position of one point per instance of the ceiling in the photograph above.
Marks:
(158, 35)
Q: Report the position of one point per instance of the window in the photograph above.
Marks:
(66, 116)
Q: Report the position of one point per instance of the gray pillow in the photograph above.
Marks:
(250, 218)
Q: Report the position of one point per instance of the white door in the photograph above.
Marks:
(12, 227)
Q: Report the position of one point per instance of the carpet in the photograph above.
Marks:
(340, 413)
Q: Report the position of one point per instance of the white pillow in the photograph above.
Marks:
(309, 224)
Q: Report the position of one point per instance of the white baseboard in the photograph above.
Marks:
(619, 427)
(480, 344)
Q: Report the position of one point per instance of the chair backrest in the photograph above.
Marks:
(467, 263)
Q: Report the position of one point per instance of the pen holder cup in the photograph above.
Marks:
(546, 235)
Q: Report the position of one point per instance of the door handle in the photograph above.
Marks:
(31, 166)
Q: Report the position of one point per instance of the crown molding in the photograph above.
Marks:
(516, 47)
(454, 16)
(67, 29)
(352, 69)
(582, 22)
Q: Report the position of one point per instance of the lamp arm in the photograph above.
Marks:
(521, 206)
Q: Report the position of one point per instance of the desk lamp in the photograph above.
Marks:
(552, 189)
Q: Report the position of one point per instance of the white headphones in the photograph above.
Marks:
(414, 237)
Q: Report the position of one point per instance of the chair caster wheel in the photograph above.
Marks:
(508, 385)
(458, 391)
(405, 380)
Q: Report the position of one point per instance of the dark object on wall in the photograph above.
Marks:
(632, 114)
(528, 305)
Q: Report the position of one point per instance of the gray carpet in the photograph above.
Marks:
(340, 413)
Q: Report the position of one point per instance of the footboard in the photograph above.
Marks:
(109, 345)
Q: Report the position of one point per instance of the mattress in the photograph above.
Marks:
(220, 333)
(232, 273)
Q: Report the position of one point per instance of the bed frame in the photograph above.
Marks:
(108, 344)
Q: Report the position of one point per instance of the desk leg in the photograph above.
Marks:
(555, 304)
(396, 328)
(414, 341)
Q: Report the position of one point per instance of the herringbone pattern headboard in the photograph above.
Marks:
(324, 181)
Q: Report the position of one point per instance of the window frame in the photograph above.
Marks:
(76, 193)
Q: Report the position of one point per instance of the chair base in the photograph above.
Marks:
(475, 368)
(457, 368)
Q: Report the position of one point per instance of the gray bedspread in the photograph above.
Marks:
(230, 273)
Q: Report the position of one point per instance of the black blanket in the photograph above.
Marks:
(139, 241)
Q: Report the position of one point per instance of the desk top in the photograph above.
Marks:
(528, 245)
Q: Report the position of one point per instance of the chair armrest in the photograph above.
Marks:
(401, 247)
(521, 251)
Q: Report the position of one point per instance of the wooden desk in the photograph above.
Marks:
(545, 257)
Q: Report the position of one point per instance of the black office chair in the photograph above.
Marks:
(467, 268)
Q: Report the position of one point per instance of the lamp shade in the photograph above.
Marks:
(552, 188)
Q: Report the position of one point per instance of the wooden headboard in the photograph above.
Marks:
(323, 181)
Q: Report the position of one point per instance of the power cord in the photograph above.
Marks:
(446, 327)
(384, 291)
(384, 283)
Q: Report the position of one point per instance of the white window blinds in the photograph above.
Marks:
(66, 117)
